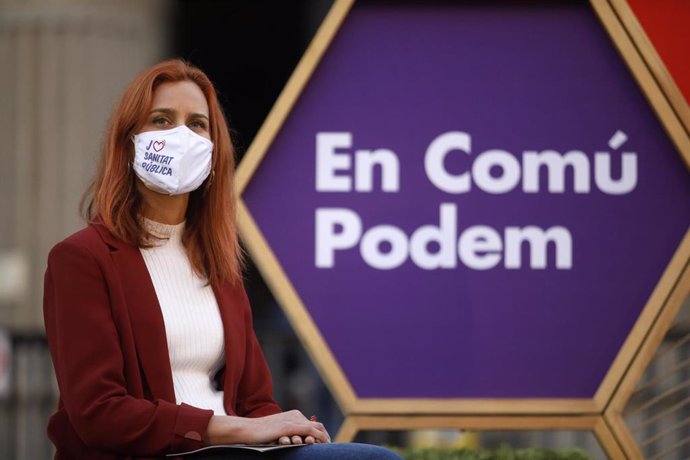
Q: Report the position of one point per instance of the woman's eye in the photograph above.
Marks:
(160, 121)
(198, 124)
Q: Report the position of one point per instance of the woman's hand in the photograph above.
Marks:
(284, 428)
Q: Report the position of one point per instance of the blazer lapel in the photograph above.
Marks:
(145, 316)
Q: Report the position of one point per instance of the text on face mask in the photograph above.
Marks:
(157, 165)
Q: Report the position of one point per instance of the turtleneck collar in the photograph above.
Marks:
(165, 231)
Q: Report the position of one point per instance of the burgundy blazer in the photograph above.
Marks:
(107, 339)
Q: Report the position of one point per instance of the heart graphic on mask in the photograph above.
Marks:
(158, 145)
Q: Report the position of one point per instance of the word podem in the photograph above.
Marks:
(478, 247)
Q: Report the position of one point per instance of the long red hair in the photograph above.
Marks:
(210, 236)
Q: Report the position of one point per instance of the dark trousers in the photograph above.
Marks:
(333, 451)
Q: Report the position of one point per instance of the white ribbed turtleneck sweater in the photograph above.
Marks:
(193, 324)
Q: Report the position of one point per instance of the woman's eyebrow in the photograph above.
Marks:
(163, 109)
(172, 112)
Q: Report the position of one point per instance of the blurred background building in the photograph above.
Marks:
(64, 64)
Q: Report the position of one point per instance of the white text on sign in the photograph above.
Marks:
(494, 171)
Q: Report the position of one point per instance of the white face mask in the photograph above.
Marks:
(172, 161)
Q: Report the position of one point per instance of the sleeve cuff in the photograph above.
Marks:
(190, 428)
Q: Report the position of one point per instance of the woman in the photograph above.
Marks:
(147, 320)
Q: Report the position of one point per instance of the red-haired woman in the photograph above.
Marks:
(147, 320)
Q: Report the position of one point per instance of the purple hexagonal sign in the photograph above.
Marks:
(472, 201)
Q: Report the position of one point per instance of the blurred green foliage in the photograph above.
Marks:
(504, 452)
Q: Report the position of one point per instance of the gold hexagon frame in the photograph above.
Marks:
(600, 414)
